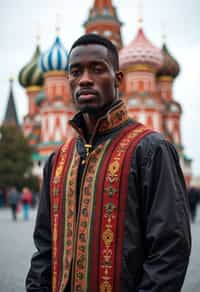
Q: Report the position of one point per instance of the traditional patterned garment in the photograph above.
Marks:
(119, 217)
(95, 235)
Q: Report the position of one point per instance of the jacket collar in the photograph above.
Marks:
(113, 118)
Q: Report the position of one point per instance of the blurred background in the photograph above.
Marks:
(159, 45)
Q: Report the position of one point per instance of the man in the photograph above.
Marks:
(194, 198)
(13, 200)
(113, 214)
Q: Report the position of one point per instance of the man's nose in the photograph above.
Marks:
(86, 78)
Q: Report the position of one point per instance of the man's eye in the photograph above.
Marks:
(97, 69)
(75, 72)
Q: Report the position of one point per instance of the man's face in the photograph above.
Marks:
(92, 78)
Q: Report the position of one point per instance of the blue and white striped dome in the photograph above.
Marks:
(55, 58)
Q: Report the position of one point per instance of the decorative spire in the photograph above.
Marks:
(164, 31)
(100, 5)
(140, 13)
(37, 40)
(38, 32)
(58, 16)
(57, 31)
(11, 78)
(102, 10)
(164, 37)
(103, 20)
(140, 22)
(11, 113)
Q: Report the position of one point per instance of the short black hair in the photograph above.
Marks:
(90, 39)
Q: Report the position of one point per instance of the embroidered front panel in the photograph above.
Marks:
(96, 241)
(63, 204)
(85, 217)
(55, 203)
(111, 213)
(70, 218)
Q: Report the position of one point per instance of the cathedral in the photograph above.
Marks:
(149, 75)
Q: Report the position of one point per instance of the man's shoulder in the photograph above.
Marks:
(154, 141)
(151, 136)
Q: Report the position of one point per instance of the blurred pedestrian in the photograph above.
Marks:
(26, 199)
(1, 198)
(194, 198)
(13, 200)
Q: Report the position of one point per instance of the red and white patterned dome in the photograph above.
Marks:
(140, 51)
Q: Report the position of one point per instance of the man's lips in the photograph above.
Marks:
(86, 95)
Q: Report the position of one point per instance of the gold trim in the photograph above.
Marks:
(33, 88)
(139, 67)
(55, 73)
(165, 78)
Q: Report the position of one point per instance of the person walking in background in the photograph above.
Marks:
(26, 199)
(13, 200)
(113, 212)
(194, 199)
(2, 202)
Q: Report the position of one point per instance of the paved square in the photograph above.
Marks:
(16, 248)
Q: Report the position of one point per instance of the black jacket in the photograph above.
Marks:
(157, 240)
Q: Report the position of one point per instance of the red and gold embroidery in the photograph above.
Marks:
(95, 236)
(114, 118)
(111, 210)
(70, 218)
(63, 223)
(86, 209)
(55, 200)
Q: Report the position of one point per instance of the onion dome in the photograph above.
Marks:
(140, 51)
(170, 66)
(40, 97)
(30, 74)
(55, 58)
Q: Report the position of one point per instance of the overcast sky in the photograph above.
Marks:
(22, 20)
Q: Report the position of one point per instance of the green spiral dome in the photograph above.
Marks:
(30, 74)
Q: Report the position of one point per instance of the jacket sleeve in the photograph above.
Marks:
(39, 275)
(165, 218)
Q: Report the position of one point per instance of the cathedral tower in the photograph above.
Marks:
(172, 109)
(55, 101)
(11, 113)
(140, 61)
(103, 20)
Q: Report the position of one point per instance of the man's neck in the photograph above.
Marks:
(91, 119)
(90, 123)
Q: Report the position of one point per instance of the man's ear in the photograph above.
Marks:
(119, 77)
